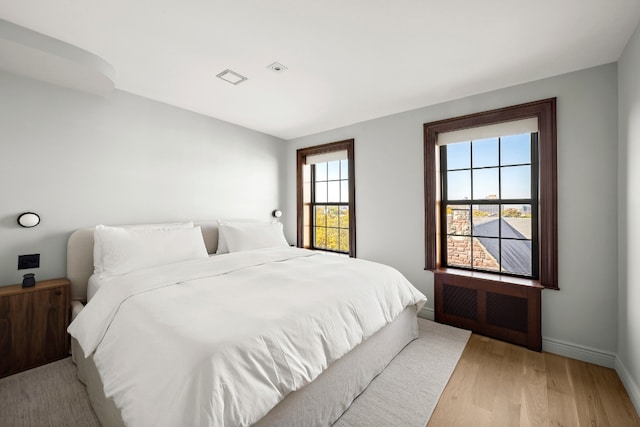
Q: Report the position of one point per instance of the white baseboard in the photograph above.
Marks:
(427, 313)
(629, 383)
(575, 351)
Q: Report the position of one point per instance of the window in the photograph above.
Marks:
(326, 197)
(489, 202)
(490, 192)
(330, 205)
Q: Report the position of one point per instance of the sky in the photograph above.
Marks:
(332, 183)
(491, 166)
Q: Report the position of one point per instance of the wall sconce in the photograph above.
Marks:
(276, 213)
(28, 219)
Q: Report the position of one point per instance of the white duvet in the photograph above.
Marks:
(220, 341)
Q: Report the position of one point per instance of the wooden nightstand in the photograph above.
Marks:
(33, 325)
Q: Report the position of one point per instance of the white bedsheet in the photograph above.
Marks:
(220, 341)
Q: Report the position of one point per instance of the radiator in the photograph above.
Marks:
(485, 304)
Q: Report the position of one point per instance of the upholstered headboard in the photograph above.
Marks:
(80, 255)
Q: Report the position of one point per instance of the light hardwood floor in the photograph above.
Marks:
(498, 384)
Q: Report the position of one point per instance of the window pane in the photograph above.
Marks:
(321, 172)
(516, 257)
(320, 237)
(320, 216)
(485, 152)
(516, 182)
(485, 220)
(459, 220)
(515, 149)
(344, 191)
(334, 191)
(486, 253)
(332, 216)
(459, 251)
(344, 217)
(321, 192)
(334, 170)
(516, 221)
(485, 183)
(459, 155)
(344, 169)
(459, 185)
(344, 240)
(332, 239)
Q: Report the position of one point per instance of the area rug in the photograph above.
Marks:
(404, 395)
(407, 391)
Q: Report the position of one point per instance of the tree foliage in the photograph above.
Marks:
(332, 228)
(512, 213)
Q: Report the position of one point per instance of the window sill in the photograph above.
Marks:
(489, 277)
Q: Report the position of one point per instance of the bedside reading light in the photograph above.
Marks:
(28, 219)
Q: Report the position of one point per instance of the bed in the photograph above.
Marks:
(209, 341)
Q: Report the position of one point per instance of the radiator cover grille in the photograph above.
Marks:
(461, 302)
(507, 311)
(494, 308)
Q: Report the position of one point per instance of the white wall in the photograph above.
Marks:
(80, 160)
(389, 198)
(628, 362)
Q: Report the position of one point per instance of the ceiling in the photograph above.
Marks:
(348, 61)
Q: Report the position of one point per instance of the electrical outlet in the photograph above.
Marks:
(28, 261)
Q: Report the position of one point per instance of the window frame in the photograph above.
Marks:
(301, 155)
(545, 111)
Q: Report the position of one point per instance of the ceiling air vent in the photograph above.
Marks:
(232, 77)
(277, 67)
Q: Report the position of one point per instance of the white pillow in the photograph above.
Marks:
(126, 250)
(252, 235)
(222, 243)
(97, 244)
